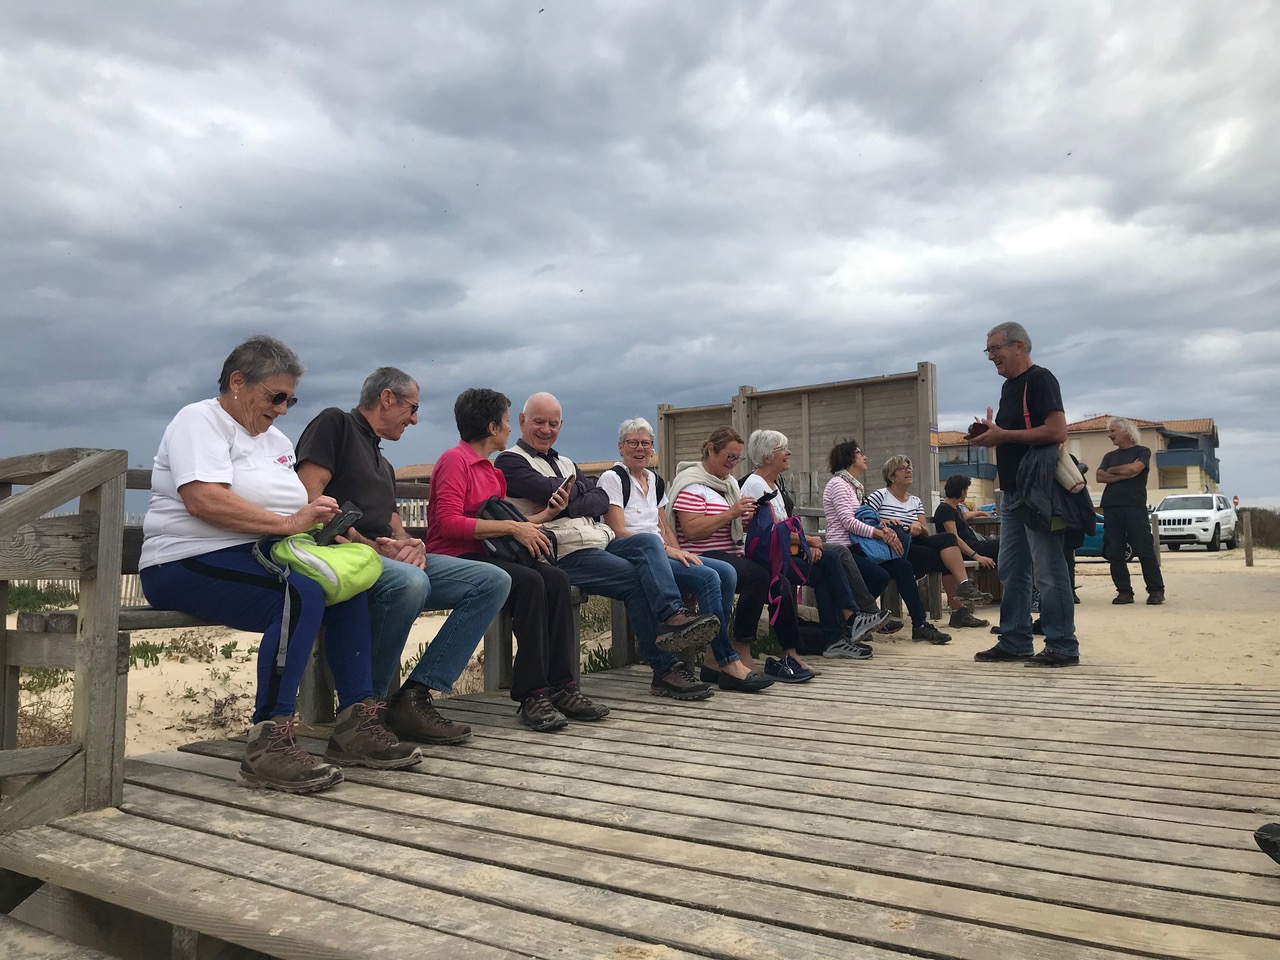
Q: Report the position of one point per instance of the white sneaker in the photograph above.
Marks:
(864, 623)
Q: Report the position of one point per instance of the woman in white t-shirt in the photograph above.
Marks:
(770, 454)
(638, 504)
(224, 477)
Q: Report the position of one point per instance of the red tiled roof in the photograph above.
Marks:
(1100, 423)
(950, 438)
(1203, 425)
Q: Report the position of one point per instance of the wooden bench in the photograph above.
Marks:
(23, 940)
(52, 634)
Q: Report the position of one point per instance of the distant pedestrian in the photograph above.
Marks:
(1026, 432)
(1124, 506)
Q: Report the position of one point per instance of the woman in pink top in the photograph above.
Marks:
(542, 679)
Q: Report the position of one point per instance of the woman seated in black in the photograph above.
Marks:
(952, 516)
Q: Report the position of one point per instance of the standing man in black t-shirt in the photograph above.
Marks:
(1030, 415)
(1124, 506)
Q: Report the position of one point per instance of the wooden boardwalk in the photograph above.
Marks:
(899, 807)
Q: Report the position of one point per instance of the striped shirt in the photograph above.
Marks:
(701, 499)
(839, 504)
(889, 507)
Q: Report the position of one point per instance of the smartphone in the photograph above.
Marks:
(339, 525)
(976, 429)
(564, 485)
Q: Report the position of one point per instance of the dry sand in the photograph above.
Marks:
(1221, 624)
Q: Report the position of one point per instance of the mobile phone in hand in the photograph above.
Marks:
(347, 518)
(976, 429)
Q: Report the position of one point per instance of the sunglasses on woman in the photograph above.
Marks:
(282, 397)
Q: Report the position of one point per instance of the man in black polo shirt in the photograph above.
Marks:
(1124, 506)
(1030, 416)
(340, 454)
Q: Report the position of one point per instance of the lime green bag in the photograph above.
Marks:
(342, 569)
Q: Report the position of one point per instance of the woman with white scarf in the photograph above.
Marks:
(707, 510)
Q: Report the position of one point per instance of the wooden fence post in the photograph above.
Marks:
(1248, 538)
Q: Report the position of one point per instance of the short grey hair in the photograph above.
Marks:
(1012, 331)
(258, 358)
(893, 465)
(1127, 426)
(634, 425)
(763, 444)
(384, 378)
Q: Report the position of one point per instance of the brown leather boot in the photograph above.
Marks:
(273, 760)
(412, 716)
(361, 739)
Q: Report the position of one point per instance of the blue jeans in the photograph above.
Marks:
(475, 592)
(1022, 551)
(635, 570)
(713, 584)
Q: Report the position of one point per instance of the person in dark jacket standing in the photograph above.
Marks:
(1124, 506)
(1030, 417)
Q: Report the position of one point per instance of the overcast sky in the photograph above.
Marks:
(633, 203)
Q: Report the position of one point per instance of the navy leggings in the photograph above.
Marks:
(229, 586)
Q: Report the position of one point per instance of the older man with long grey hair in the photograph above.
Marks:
(1124, 471)
(1030, 416)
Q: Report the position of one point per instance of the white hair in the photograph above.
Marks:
(1127, 427)
(634, 425)
(763, 444)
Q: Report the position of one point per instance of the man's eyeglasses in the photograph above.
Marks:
(413, 407)
(639, 444)
(993, 350)
(282, 397)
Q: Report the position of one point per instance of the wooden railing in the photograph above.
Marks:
(87, 773)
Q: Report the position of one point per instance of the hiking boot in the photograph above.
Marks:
(999, 654)
(964, 618)
(890, 626)
(536, 711)
(1123, 597)
(930, 634)
(968, 591)
(1051, 658)
(863, 623)
(678, 683)
(570, 702)
(1267, 837)
(686, 629)
(361, 739)
(412, 716)
(273, 760)
(849, 649)
(1154, 597)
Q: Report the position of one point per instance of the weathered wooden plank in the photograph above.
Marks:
(69, 483)
(98, 709)
(644, 886)
(57, 651)
(48, 547)
(411, 884)
(103, 926)
(279, 922)
(942, 882)
(56, 794)
(33, 760)
(33, 467)
(23, 940)
(14, 889)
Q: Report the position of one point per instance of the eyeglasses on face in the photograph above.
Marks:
(282, 397)
(413, 407)
(991, 351)
(639, 444)
(733, 458)
(544, 422)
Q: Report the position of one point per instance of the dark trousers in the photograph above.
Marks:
(878, 573)
(753, 594)
(865, 599)
(229, 586)
(925, 553)
(1131, 525)
(542, 621)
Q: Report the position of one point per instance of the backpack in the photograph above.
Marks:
(660, 488)
(769, 544)
(508, 547)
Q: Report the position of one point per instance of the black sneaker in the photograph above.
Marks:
(537, 712)
(1124, 596)
(890, 626)
(678, 683)
(1037, 627)
(687, 629)
(1051, 658)
(570, 701)
(1267, 837)
(999, 654)
(930, 634)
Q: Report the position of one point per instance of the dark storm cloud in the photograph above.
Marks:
(632, 204)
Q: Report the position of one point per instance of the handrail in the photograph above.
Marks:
(73, 481)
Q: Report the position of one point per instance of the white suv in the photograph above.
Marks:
(1206, 518)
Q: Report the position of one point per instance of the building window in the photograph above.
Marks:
(1173, 478)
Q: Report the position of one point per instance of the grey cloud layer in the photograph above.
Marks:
(632, 204)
